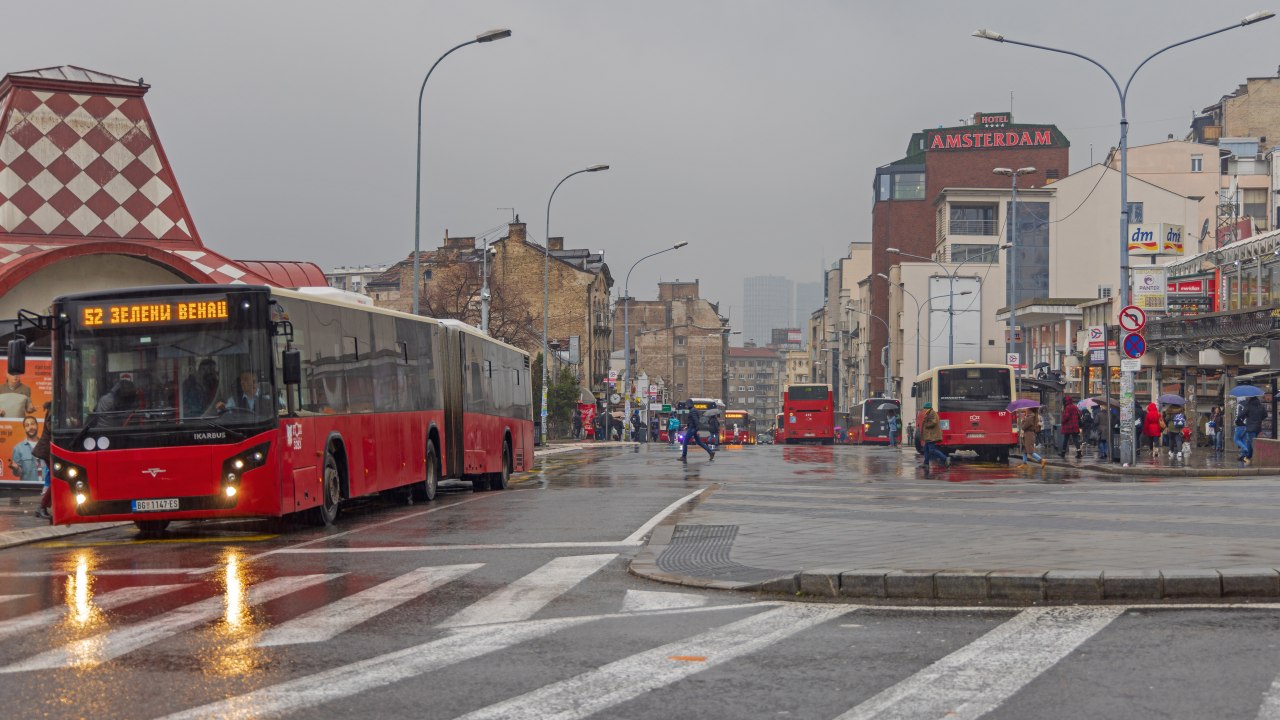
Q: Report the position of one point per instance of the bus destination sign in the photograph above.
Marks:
(152, 313)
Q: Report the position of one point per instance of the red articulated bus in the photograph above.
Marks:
(972, 401)
(809, 415)
(202, 401)
(738, 428)
(869, 421)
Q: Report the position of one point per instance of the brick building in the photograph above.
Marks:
(578, 284)
(679, 339)
(905, 216)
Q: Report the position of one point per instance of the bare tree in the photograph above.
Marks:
(454, 292)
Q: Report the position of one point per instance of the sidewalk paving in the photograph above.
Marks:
(978, 534)
(1200, 462)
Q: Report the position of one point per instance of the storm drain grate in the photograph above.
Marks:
(703, 551)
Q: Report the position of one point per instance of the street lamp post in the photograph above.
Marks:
(951, 286)
(417, 191)
(903, 288)
(546, 289)
(626, 331)
(889, 341)
(1011, 343)
(484, 287)
(1127, 454)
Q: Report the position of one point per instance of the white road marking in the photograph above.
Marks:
(105, 601)
(642, 600)
(107, 646)
(425, 548)
(7, 598)
(978, 677)
(638, 536)
(623, 680)
(459, 645)
(335, 618)
(523, 598)
(1270, 708)
(335, 536)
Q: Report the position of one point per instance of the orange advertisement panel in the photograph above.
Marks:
(22, 399)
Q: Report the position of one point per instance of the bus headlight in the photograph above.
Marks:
(81, 498)
(234, 467)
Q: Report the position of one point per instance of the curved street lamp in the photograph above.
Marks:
(417, 191)
(626, 331)
(903, 288)
(1011, 344)
(546, 290)
(1127, 455)
(951, 282)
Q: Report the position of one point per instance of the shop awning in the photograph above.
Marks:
(1253, 378)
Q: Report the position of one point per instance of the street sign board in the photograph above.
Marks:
(1130, 365)
(1133, 318)
(653, 389)
(666, 408)
(1134, 345)
(1150, 289)
(1098, 356)
(1014, 359)
(613, 375)
(1097, 337)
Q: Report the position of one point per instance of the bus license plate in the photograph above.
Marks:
(975, 435)
(155, 505)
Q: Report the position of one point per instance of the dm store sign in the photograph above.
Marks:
(1161, 239)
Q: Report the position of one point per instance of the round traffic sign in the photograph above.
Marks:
(1133, 318)
(1134, 345)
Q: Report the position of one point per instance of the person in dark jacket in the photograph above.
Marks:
(1254, 415)
(1070, 427)
(691, 433)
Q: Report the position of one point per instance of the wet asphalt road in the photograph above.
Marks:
(518, 604)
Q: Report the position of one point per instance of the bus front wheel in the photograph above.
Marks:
(331, 493)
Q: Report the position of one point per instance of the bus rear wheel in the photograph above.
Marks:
(151, 528)
(425, 491)
(501, 480)
(331, 492)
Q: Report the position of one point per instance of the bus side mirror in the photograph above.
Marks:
(913, 391)
(17, 356)
(292, 366)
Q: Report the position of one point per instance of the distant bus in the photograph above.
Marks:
(971, 400)
(809, 415)
(779, 429)
(706, 406)
(869, 421)
(738, 428)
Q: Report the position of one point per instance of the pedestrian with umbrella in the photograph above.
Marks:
(1029, 427)
(930, 436)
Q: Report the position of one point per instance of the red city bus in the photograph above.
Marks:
(869, 421)
(779, 430)
(809, 414)
(201, 401)
(738, 428)
(971, 400)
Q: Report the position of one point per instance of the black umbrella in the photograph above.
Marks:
(1039, 365)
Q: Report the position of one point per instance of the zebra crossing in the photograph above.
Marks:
(1010, 648)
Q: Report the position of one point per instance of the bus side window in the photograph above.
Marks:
(915, 390)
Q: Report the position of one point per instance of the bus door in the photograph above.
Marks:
(452, 432)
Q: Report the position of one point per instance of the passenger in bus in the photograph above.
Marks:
(200, 389)
(250, 397)
(116, 406)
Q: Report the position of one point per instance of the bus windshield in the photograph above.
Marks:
(808, 392)
(970, 389)
(214, 369)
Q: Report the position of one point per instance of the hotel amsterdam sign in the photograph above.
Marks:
(970, 138)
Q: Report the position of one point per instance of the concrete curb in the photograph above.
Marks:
(1025, 587)
(552, 450)
(12, 538)
(1113, 469)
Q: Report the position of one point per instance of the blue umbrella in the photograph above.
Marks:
(1246, 391)
(1171, 399)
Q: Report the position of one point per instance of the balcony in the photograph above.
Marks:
(972, 227)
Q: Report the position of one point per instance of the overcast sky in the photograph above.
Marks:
(750, 129)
